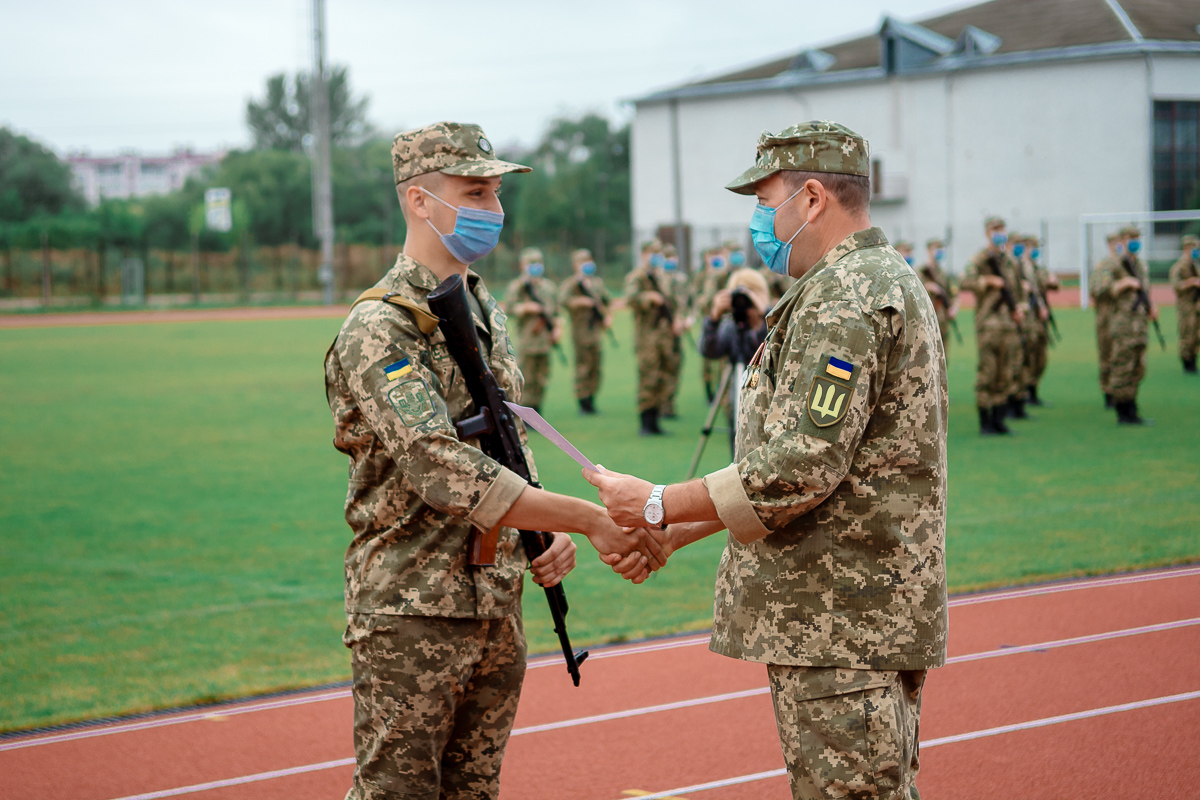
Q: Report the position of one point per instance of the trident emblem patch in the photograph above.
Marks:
(827, 402)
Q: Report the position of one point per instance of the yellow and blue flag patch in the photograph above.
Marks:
(839, 369)
(398, 370)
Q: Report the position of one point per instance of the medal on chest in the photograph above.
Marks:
(752, 369)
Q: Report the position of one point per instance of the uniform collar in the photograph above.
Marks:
(414, 273)
(859, 240)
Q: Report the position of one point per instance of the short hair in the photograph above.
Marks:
(581, 256)
(853, 192)
(430, 181)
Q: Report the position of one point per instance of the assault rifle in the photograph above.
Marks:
(597, 314)
(664, 310)
(547, 320)
(1006, 293)
(1143, 298)
(494, 425)
(944, 291)
(1038, 300)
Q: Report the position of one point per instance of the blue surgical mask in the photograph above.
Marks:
(718, 263)
(908, 260)
(588, 268)
(737, 258)
(1135, 245)
(1018, 250)
(670, 264)
(999, 239)
(1034, 253)
(656, 260)
(1120, 249)
(537, 269)
(476, 231)
(1196, 252)
(774, 253)
(939, 254)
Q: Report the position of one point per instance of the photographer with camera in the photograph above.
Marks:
(736, 325)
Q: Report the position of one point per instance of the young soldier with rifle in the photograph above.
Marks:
(587, 302)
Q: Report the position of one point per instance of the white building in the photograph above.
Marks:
(1037, 110)
(130, 175)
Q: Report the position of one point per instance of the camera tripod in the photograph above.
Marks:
(731, 382)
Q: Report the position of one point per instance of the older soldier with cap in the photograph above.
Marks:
(437, 644)
(1185, 280)
(532, 300)
(1102, 302)
(834, 571)
(586, 301)
(942, 290)
(992, 275)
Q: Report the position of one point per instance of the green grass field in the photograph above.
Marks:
(170, 506)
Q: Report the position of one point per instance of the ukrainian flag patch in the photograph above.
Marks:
(839, 369)
(398, 370)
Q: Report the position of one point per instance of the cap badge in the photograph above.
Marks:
(485, 145)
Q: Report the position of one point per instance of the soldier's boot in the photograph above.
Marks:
(1127, 414)
(668, 410)
(654, 423)
(998, 414)
(986, 427)
(1189, 364)
(587, 405)
(1108, 400)
(1016, 408)
(1034, 400)
(647, 423)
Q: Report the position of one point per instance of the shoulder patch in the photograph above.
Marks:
(411, 401)
(828, 401)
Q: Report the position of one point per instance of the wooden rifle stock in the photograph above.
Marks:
(494, 425)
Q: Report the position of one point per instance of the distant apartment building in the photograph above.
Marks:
(132, 175)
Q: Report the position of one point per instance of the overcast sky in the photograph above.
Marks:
(151, 75)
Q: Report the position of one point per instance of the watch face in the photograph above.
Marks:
(653, 514)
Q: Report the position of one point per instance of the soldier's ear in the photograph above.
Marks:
(416, 201)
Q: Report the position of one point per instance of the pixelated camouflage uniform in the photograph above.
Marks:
(652, 336)
(587, 330)
(1128, 330)
(707, 283)
(1037, 335)
(534, 338)
(438, 650)
(681, 295)
(845, 596)
(996, 333)
(1102, 302)
(1187, 304)
(777, 283)
(942, 300)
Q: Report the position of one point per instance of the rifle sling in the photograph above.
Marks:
(426, 322)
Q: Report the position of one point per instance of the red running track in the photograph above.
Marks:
(1081, 689)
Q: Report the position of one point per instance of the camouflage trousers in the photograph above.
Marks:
(434, 702)
(848, 733)
(587, 369)
(1104, 349)
(999, 368)
(653, 352)
(1128, 366)
(536, 369)
(1189, 328)
(1037, 346)
(674, 367)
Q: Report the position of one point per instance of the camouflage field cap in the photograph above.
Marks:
(1191, 239)
(903, 245)
(816, 146)
(529, 255)
(669, 251)
(1131, 230)
(935, 242)
(449, 147)
(1112, 237)
(994, 222)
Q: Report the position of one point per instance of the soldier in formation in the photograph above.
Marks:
(942, 289)
(437, 646)
(709, 280)
(857, 326)
(587, 303)
(1037, 282)
(1102, 302)
(676, 285)
(1185, 280)
(1126, 283)
(653, 305)
(532, 301)
(994, 277)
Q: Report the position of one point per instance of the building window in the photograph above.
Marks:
(1176, 159)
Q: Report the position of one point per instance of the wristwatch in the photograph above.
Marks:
(653, 511)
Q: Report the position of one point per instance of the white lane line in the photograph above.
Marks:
(637, 712)
(1096, 637)
(962, 737)
(607, 653)
(261, 776)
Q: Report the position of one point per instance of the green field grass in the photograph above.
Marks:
(170, 506)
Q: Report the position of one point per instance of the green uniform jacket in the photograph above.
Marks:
(533, 336)
(841, 463)
(646, 316)
(586, 329)
(991, 312)
(416, 491)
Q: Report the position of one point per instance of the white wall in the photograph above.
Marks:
(1036, 144)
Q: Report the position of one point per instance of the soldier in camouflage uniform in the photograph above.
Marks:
(1185, 280)
(437, 645)
(676, 283)
(1127, 285)
(840, 592)
(707, 282)
(997, 326)
(586, 300)
(647, 295)
(942, 289)
(1102, 302)
(1038, 282)
(532, 300)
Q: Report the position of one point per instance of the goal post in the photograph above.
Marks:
(1094, 228)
